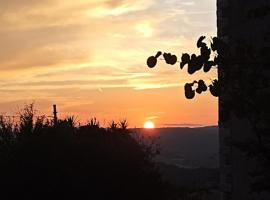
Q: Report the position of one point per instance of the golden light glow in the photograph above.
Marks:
(144, 28)
(82, 54)
(149, 125)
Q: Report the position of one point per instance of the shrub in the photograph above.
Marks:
(67, 161)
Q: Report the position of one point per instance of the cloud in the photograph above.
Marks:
(183, 125)
(152, 117)
(188, 3)
(61, 50)
(119, 7)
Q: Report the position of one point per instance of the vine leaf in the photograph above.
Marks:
(169, 58)
(173, 59)
(151, 61)
(185, 59)
(195, 64)
(200, 42)
(202, 85)
(214, 44)
(215, 88)
(208, 65)
(189, 92)
(205, 53)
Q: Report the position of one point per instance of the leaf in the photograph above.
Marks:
(173, 59)
(191, 68)
(205, 53)
(202, 86)
(189, 92)
(215, 88)
(195, 64)
(214, 44)
(151, 62)
(199, 63)
(199, 90)
(184, 60)
(208, 65)
(166, 57)
(200, 42)
(188, 86)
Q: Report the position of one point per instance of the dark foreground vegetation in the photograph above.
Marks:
(40, 159)
(59, 159)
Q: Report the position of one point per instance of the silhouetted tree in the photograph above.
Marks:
(43, 160)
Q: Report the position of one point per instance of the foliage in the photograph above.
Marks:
(196, 63)
(244, 86)
(43, 160)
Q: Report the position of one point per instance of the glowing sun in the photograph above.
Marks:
(149, 124)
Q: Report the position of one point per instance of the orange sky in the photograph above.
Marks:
(88, 57)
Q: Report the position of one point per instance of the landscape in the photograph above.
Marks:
(135, 99)
(50, 153)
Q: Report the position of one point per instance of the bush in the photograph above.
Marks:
(42, 160)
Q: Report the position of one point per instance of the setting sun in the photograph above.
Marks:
(149, 124)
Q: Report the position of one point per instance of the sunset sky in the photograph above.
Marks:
(89, 58)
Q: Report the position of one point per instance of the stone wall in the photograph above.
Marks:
(238, 20)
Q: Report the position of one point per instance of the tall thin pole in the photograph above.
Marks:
(54, 115)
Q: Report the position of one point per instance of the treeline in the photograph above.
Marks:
(41, 159)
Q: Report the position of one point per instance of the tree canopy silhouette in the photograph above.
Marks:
(41, 160)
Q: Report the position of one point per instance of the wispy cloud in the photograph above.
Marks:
(183, 125)
(82, 45)
(152, 117)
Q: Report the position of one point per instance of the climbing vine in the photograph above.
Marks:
(196, 63)
(244, 85)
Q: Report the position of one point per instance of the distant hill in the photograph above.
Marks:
(199, 183)
(189, 159)
(187, 147)
(183, 177)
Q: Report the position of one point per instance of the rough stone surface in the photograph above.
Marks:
(238, 20)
